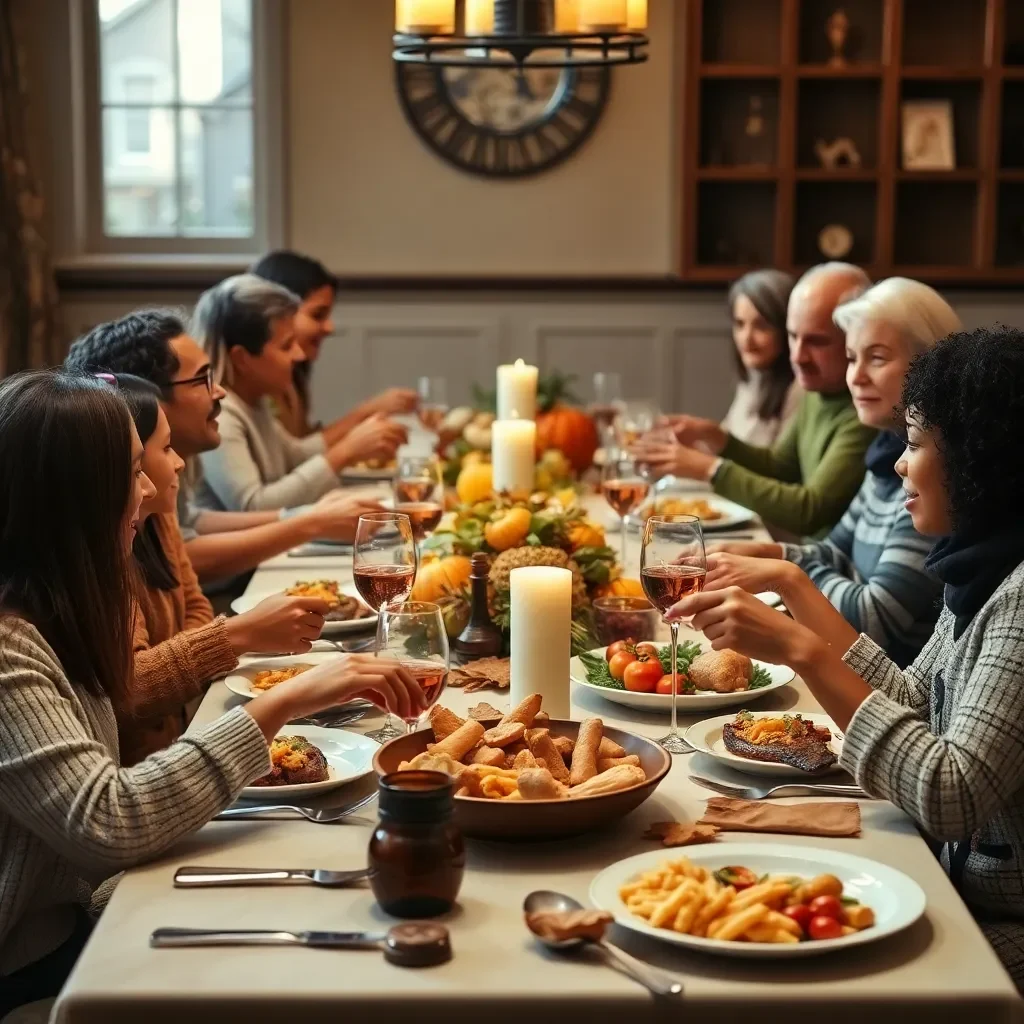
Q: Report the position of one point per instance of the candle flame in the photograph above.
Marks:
(519, 363)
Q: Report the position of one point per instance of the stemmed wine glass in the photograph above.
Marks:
(433, 407)
(413, 633)
(623, 487)
(607, 403)
(384, 570)
(418, 489)
(636, 418)
(673, 565)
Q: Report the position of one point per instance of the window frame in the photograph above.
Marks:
(90, 242)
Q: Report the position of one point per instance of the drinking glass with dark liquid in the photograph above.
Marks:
(673, 565)
(384, 569)
(433, 407)
(413, 633)
(623, 488)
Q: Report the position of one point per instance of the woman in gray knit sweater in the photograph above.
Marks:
(944, 738)
(70, 816)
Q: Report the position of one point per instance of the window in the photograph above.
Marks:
(180, 167)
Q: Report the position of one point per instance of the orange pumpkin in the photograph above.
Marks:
(622, 587)
(571, 431)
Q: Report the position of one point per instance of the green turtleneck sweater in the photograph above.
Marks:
(803, 483)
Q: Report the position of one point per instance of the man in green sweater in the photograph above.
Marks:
(804, 483)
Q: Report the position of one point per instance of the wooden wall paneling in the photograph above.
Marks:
(889, 134)
(989, 146)
(785, 197)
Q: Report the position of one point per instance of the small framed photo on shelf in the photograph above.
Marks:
(928, 135)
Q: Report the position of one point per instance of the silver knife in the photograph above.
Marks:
(202, 878)
(165, 938)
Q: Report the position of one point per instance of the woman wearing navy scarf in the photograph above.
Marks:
(871, 567)
(944, 738)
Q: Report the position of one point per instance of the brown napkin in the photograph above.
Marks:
(834, 818)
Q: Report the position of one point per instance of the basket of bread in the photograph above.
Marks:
(526, 776)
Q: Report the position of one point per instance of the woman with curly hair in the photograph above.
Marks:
(870, 568)
(942, 739)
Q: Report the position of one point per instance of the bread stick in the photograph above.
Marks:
(540, 784)
(625, 776)
(460, 742)
(444, 722)
(542, 748)
(503, 735)
(493, 756)
(604, 763)
(525, 711)
(564, 746)
(609, 748)
(584, 757)
(524, 759)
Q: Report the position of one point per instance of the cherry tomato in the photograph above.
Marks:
(826, 906)
(738, 877)
(619, 645)
(665, 684)
(824, 928)
(801, 913)
(647, 649)
(617, 666)
(642, 676)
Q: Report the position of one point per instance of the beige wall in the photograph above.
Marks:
(369, 198)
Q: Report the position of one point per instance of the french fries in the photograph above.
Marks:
(686, 898)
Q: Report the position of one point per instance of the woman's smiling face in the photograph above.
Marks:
(924, 480)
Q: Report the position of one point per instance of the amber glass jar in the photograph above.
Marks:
(416, 855)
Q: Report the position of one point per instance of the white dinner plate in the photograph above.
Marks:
(348, 754)
(247, 602)
(688, 704)
(707, 737)
(239, 680)
(897, 900)
(731, 513)
(362, 474)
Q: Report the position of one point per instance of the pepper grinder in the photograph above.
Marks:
(481, 638)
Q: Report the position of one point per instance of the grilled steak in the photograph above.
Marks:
(295, 762)
(785, 740)
(347, 609)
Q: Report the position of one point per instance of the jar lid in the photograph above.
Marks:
(416, 796)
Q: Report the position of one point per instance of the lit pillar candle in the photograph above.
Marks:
(636, 15)
(517, 391)
(541, 620)
(425, 17)
(602, 15)
(479, 17)
(567, 15)
(513, 455)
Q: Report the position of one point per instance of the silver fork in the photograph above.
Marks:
(321, 815)
(782, 789)
(334, 720)
(204, 878)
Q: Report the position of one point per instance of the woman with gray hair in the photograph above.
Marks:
(766, 397)
(246, 325)
(871, 566)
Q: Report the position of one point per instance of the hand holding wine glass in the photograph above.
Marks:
(413, 634)
(673, 565)
(623, 487)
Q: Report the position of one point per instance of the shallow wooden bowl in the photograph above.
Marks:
(518, 821)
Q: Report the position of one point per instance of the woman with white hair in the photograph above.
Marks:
(871, 566)
(246, 325)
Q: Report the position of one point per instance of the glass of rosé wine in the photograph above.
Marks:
(433, 406)
(418, 491)
(384, 570)
(623, 487)
(414, 634)
(673, 565)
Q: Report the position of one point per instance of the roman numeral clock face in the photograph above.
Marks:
(503, 123)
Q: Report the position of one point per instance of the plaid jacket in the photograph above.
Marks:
(944, 741)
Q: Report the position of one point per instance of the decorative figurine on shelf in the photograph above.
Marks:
(757, 142)
(835, 241)
(840, 153)
(837, 29)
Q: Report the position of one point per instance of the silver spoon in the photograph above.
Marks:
(655, 981)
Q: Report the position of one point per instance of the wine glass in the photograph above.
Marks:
(623, 487)
(672, 566)
(384, 570)
(607, 403)
(418, 488)
(433, 407)
(636, 418)
(413, 633)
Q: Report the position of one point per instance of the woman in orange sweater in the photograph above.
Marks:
(179, 645)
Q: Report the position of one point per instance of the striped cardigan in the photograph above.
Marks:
(944, 741)
(70, 816)
(871, 568)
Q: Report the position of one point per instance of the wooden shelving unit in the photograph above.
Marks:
(763, 197)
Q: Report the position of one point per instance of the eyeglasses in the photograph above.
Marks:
(206, 377)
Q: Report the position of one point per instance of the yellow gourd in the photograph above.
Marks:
(585, 534)
(441, 576)
(622, 587)
(475, 483)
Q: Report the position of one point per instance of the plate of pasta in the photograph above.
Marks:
(258, 677)
(759, 900)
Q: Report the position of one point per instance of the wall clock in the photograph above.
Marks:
(502, 123)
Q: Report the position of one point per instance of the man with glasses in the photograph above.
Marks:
(154, 345)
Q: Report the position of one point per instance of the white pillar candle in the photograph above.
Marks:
(636, 15)
(602, 15)
(425, 17)
(517, 391)
(479, 17)
(513, 455)
(541, 614)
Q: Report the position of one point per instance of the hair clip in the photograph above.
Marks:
(108, 377)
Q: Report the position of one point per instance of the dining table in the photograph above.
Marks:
(939, 969)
